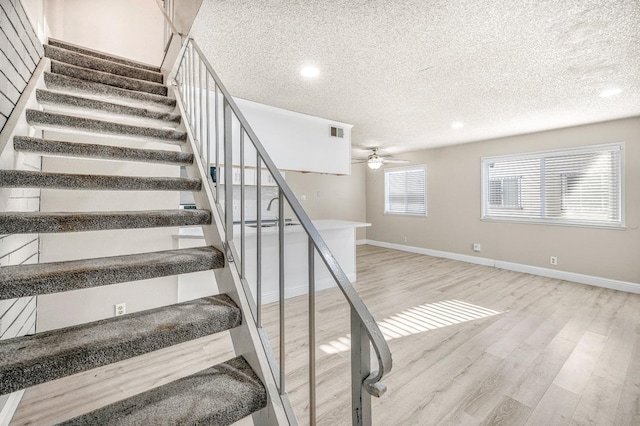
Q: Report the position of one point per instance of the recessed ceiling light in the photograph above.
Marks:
(457, 125)
(310, 71)
(610, 92)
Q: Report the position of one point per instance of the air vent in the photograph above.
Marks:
(336, 132)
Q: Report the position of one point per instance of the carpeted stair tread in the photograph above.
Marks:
(102, 55)
(45, 222)
(107, 78)
(220, 395)
(36, 179)
(45, 278)
(103, 91)
(92, 62)
(79, 103)
(73, 149)
(49, 120)
(31, 360)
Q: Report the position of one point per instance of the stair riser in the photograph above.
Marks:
(61, 101)
(49, 121)
(32, 223)
(69, 149)
(100, 55)
(97, 64)
(104, 92)
(108, 79)
(28, 179)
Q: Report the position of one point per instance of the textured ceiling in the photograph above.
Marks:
(402, 71)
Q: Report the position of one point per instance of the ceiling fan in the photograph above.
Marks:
(375, 161)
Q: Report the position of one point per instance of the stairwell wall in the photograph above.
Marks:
(20, 53)
(129, 28)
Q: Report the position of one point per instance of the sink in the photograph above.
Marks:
(272, 224)
(264, 225)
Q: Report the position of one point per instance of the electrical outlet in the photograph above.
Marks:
(477, 247)
(303, 197)
(121, 309)
(404, 239)
(553, 260)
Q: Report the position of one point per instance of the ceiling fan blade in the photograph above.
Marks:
(358, 161)
(389, 160)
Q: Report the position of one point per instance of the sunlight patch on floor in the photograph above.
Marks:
(419, 319)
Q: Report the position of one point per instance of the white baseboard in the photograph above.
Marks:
(517, 267)
(361, 242)
(272, 296)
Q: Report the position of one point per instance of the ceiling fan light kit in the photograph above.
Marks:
(374, 162)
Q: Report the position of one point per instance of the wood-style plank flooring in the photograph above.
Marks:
(472, 345)
(556, 353)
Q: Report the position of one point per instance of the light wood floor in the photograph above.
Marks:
(553, 353)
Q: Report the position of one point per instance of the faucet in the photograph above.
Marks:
(271, 202)
(269, 208)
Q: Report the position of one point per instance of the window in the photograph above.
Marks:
(405, 191)
(580, 186)
(504, 192)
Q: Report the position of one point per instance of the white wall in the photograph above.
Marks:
(453, 199)
(130, 28)
(17, 316)
(333, 197)
(35, 10)
(20, 52)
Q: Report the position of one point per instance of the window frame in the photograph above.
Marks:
(541, 219)
(388, 170)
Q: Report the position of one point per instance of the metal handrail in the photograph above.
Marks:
(167, 19)
(364, 330)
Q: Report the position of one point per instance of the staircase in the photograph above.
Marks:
(92, 93)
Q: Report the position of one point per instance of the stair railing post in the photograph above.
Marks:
(281, 290)
(360, 370)
(312, 333)
(201, 105)
(206, 160)
(258, 240)
(191, 84)
(216, 126)
(228, 173)
(243, 274)
(193, 93)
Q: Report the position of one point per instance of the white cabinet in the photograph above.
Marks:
(297, 141)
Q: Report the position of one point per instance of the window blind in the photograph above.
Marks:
(574, 186)
(406, 191)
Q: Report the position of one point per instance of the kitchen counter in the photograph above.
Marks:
(338, 234)
(321, 225)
